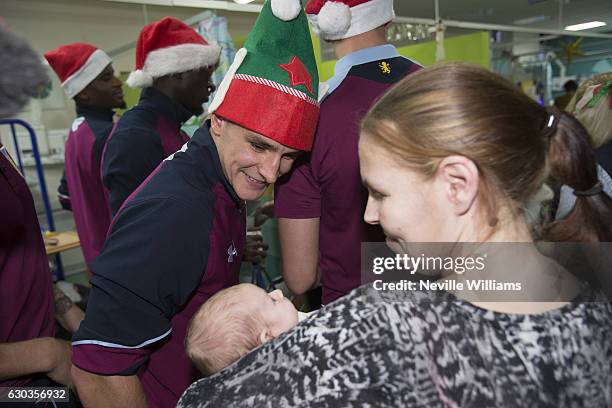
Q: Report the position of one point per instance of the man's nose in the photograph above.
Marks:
(270, 167)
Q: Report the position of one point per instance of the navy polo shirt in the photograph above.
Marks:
(176, 241)
(143, 137)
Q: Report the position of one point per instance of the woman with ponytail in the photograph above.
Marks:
(450, 156)
(592, 107)
(573, 163)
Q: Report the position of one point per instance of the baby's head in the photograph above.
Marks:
(233, 322)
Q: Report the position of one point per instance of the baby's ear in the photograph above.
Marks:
(265, 336)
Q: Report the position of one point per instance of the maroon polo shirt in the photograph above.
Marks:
(27, 307)
(88, 197)
(328, 185)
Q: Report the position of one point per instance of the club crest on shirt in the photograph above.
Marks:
(231, 253)
(385, 67)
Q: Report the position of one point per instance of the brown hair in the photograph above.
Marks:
(462, 109)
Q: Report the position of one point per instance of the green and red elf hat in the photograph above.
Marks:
(272, 86)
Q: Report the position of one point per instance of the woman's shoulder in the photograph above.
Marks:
(366, 305)
(404, 294)
(406, 299)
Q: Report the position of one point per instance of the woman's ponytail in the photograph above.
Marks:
(571, 161)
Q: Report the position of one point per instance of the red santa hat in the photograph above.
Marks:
(77, 65)
(339, 19)
(170, 46)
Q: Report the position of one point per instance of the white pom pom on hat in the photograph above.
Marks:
(286, 10)
(340, 19)
(139, 79)
(334, 19)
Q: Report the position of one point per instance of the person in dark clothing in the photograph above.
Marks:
(563, 101)
(176, 81)
(63, 196)
(87, 76)
(180, 237)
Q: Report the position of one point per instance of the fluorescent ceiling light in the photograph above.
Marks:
(585, 26)
(243, 1)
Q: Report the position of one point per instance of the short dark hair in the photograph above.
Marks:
(570, 86)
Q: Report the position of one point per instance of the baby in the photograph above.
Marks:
(233, 322)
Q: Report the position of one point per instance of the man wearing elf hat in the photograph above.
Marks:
(326, 192)
(87, 76)
(180, 237)
(173, 66)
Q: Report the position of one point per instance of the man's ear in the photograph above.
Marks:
(460, 178)
(215, 125)
(82, 97)
(265, 336)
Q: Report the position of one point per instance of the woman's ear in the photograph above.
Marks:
(459, 177)
(265, 336)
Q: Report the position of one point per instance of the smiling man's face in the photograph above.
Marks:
(250, 161)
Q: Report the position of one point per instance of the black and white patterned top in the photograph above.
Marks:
(415, 349)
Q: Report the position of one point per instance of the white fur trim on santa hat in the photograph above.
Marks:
(95, 64)
(174, 60)
(314, 26)
(286, 10)
(331, 20)
(139, 79)
(227, 79)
